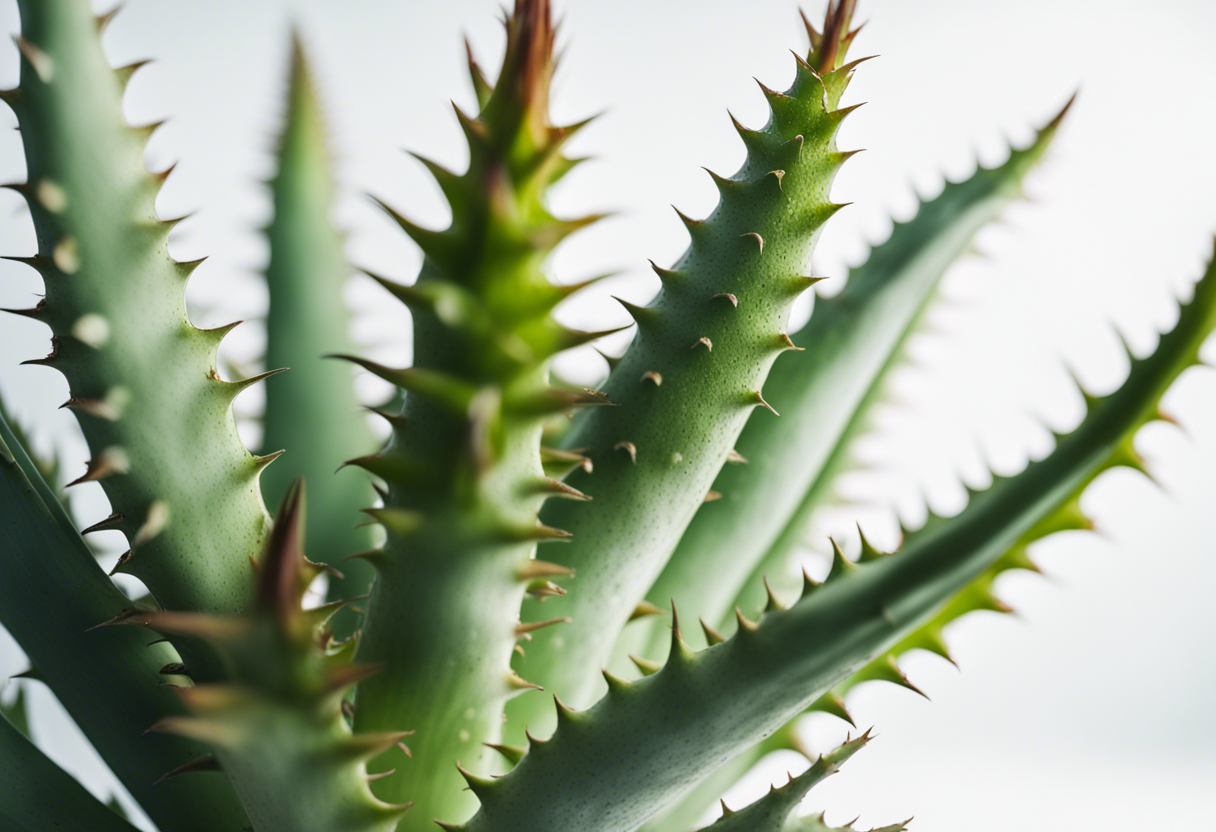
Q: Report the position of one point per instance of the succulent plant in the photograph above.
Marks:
(484, 683)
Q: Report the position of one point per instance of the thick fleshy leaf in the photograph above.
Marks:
(654, 739)
(710, 337)
(143, 380)
(309, 410)
(464, 473)
(107, 679)
(35, 794)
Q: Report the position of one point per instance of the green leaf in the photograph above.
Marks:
(774, 811)
(825, 396)
(690, 808)
(107, 680)
(156, 416)
(1011, 515)
(816, 823)
(463, 469)
(686, 386)
(276, 726)
(36, 795)
(309, 410)
(723, 559)
(654, 739)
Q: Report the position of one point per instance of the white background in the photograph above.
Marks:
(1093, 708)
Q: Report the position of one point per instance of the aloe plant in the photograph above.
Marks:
(310, 407)
(679, 484)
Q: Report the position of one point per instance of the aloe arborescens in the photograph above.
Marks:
(510, 555)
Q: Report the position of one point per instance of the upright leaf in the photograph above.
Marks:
(692, 375)
(309, 411)
(277, 727)
(464, 468)
(827, 393)
(156, 414)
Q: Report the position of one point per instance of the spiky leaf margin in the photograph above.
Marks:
(308, 411)
(654, 739)
(157, 417)
(692, 375)
(54, 593)
(277, 727)
(890, 292)
(851, 343)
(464, 471)
(774, 811)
